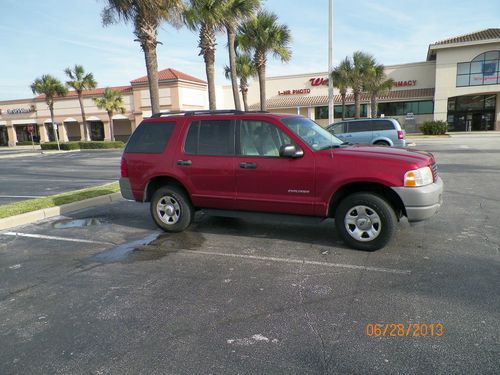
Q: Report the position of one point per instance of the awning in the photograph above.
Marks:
(293, 101)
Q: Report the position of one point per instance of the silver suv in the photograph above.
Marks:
(376, 131)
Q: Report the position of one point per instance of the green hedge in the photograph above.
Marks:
(434, 127)
(26, 143)
(77, 145)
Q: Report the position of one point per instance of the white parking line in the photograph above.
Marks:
(43, 237)
(299, 261)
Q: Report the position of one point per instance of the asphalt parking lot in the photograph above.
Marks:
(39, 175)
(102, 291)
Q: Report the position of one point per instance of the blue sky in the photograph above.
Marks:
(38, 37)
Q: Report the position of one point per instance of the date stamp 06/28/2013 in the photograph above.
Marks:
(404, 330)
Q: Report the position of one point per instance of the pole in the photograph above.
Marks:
(330, 62)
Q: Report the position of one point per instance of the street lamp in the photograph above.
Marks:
(330, 63)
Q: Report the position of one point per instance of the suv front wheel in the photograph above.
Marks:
(171, 209)
(365, 221)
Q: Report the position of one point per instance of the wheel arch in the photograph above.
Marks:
(157, 182)
(379, 189)
(383, 139)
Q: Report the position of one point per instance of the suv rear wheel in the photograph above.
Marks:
(171, 209)
(365, 221)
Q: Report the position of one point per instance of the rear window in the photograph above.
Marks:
(382, 125)
(150, 137)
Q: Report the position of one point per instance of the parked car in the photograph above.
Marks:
(376, 131)
(234, 163)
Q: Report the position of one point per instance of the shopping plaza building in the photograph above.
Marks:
(458, 83)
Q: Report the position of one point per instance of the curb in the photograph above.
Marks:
(53, 152)
(31, 217)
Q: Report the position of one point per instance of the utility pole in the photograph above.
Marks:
(330, 62)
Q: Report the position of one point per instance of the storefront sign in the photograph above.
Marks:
(294, 92)
(17, 111)
(318, 81)
(412, 82)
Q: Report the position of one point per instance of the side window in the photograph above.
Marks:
(380, 125)
(259, 138)
(210, 137)
(150, 137)
(337, 128)
(358, 126)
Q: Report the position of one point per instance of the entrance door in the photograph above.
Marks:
(96, 131)
(4, 137)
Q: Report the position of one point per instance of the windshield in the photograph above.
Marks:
(311, 133)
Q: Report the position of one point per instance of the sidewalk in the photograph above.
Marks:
(417, 136)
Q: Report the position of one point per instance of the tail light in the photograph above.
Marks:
(123, 168)
(401, 134)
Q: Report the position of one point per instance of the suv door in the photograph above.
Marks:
(359, 132)
(264, 180)
(206, 163)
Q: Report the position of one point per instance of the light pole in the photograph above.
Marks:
(330, 62)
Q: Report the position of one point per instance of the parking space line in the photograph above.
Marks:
(299, 261)
(44, 237)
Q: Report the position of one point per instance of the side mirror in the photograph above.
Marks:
(291, 151)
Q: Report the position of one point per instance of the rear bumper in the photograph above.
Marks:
(126, 189)
(400, 143)
(423, 202)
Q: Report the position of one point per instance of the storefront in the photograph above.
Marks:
(458, 83)
(178, 91)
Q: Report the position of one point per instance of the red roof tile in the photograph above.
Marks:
(93, 92)
(292, 101)
(471, 37)
(169, 74)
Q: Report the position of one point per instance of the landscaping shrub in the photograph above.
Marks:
(101, 145)
(77, 145)
(434, 127)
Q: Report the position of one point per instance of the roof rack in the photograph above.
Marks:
(205, 112)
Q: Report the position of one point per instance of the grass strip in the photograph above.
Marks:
(22, 207)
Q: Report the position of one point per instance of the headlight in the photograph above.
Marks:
(419, 177)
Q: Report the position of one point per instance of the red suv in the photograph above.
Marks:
(243, 163)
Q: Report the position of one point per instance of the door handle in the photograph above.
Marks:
(248, 165)
(184, 162)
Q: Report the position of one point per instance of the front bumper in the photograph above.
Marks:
(421, 202)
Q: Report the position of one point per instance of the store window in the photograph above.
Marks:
(420, 107)
(321, 113)
(23, 134)
(482, 70)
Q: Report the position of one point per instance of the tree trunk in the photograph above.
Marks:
(374, 106)
(152, 69)
(51, 108)
(260, 62)
(85, 135)
(232, 66)
(111, 126)
(357, 105)
(207, 49)
(244, 93)
(343, 106)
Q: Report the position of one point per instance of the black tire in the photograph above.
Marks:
(381, 143)
(178, 204)
(364, 210)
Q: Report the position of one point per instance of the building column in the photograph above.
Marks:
(42, 132)
(441, 109)
(497, 114)
(63, 134)
(107, 135)
(310, 113)
(11, 132)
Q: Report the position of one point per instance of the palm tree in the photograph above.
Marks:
(80, 81)
(361, 64)
(146, 16)
(236, 11)
(245, 69)
(206, 17)
(262, 35)
(340, 79)
(111, 102)
(51, 87)
(377, 84)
